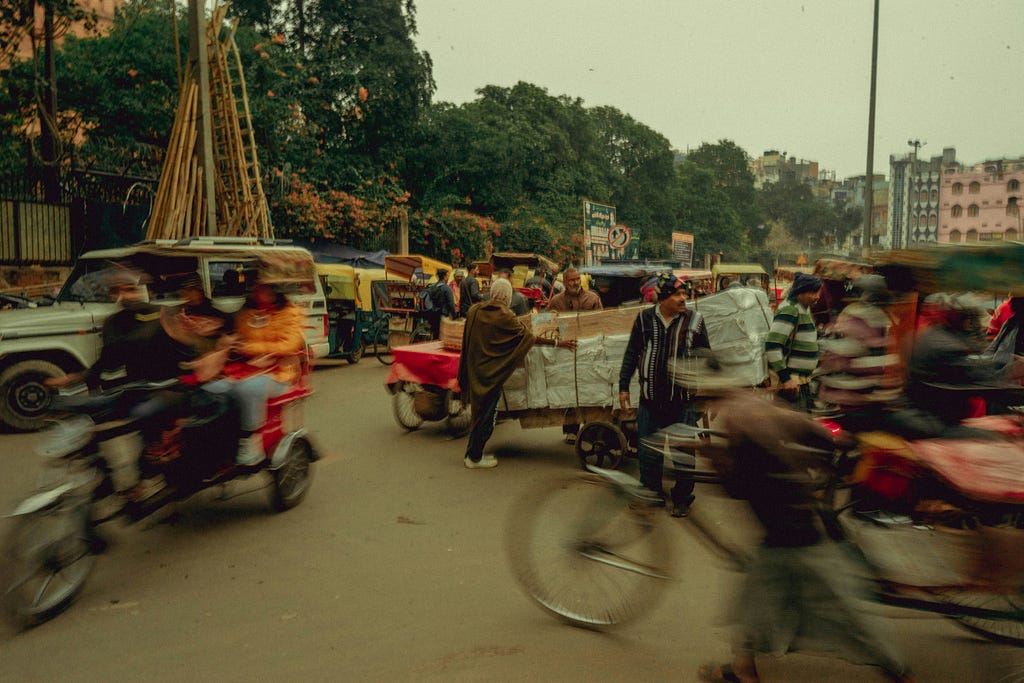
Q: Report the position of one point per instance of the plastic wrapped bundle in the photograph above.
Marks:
(737, 321)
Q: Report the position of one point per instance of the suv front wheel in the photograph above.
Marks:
(24, 400)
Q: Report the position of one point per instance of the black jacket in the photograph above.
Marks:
(650, 347)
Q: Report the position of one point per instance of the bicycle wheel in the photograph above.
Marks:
(422, 333)
(998, 617)
(382, 345)
(586, 554)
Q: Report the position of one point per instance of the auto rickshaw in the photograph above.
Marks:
(620, 283)
(523, 268)
(782, 278)
(348, 320)
(725, 274)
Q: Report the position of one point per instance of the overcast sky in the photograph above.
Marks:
(790, 75)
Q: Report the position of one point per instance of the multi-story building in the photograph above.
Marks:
(981, 203)
(914, 198)
(852, 191)
(102, 10)
(773, 166)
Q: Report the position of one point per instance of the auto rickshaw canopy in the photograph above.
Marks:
(405, 266)
(838, 269)
(511, 259)
(997, 268)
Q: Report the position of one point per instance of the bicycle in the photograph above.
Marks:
(385, 337)
(592, 549)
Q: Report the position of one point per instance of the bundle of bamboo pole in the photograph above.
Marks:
(179, 208)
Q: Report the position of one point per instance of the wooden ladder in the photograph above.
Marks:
(241, 202)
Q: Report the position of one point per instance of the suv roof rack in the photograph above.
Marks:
(213, 239)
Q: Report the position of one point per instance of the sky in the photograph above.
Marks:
(786, 75)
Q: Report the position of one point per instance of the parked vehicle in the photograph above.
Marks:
(44, 342)
(349, 317)
(726, 273)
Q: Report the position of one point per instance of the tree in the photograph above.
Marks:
(704, 208)
(120, 90)
(730, 166)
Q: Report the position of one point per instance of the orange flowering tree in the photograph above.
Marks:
(452, 235)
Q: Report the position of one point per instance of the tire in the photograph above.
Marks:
(403, 407)
(460, 417)
(382, 345)
(601, 444)
(293, 478)
(586, 555)
(49, 558)
(24, 401)
(355, 355)
(998, 617)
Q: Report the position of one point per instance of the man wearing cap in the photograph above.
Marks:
(791, 347)
(666, 330)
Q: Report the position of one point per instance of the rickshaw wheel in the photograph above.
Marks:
(403, 406)
(382, 346)
(459, 416)
(601, 444)
(292, 479)
(355, 355)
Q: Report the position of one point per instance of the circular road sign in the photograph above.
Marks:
(619, 237)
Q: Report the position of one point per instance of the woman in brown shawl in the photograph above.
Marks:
(494, 344)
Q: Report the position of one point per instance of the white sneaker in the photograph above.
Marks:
(486, 462)
(250, 451)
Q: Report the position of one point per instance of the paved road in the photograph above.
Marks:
(393, 569)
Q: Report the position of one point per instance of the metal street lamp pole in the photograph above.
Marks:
(869, 175)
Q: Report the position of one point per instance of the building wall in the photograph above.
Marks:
(104, 10)
(982, 203)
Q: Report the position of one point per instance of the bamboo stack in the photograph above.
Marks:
(179, 208)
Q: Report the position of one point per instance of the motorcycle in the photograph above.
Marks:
(54, 542)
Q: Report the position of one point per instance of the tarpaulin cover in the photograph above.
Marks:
(982, 470)
(426, 363)
(326, 252)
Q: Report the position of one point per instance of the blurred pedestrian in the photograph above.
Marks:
(802, 592)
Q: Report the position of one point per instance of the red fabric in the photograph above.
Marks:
(1000, 316)
(426, 363)
(982, 470)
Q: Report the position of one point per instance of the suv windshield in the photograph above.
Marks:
(162, 275)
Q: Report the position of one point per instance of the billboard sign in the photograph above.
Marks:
(598, 221)
(682, 248)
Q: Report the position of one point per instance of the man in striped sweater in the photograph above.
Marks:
(791, 347)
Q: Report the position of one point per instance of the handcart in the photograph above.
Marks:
(423, 383)
(582, 386)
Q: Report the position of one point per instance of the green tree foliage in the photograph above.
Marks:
(730, 166)
(119, 92)
(704, 206)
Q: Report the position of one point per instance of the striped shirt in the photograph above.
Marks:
(791, 347)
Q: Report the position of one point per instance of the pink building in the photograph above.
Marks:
(981, 203)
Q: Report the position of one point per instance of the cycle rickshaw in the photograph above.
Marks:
(397, 300)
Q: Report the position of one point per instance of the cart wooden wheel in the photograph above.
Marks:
(403, 406)
(601, 444)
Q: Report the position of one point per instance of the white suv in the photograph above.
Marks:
(37, 343)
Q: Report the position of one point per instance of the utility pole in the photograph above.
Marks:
(199, 60)
(869, 185)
